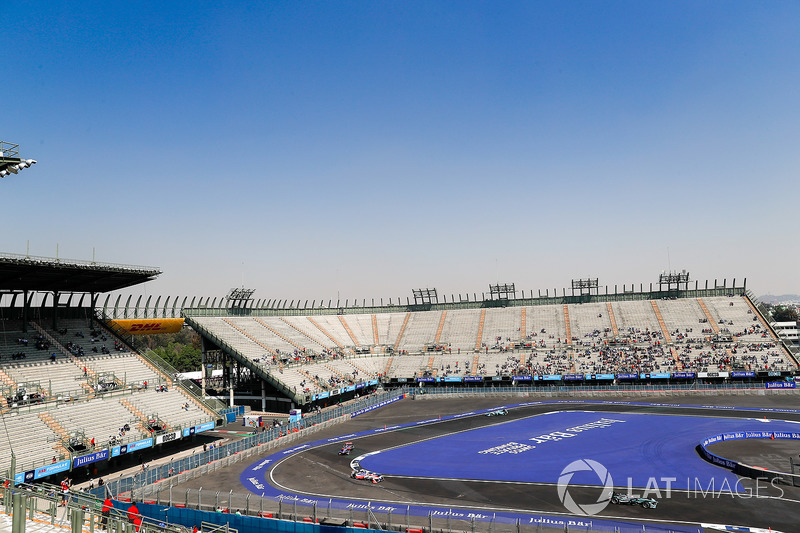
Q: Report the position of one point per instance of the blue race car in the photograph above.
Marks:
(620, 498)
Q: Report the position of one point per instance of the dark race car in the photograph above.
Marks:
(366, 475)
(498, 412)
(346, 449)
(620, 498)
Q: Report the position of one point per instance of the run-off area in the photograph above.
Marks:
(637, 450)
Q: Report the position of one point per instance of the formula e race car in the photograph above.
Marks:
(621, 498)
(346, 449)
(499, 412)
(366, 475)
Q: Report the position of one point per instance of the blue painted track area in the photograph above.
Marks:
(635, 448)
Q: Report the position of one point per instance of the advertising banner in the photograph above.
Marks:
(140, 326)
(573, 377)
(198, 429)
(781, 385)
(683, 375)
(452, 378)
(91, 458)
(171, 436)
(55, 468)
(131, 447)
(140, 445)
(522, 378)
(738, 374)
(627, 376)
(474, 378)
(370, 408)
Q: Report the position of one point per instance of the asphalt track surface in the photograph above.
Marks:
(319, 471)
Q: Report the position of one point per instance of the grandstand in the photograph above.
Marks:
(61, 364)
(70, 385)
(650, 337)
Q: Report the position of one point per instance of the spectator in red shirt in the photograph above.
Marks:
(133, 513)
(105, 512)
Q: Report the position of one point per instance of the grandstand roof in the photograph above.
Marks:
(20, 272)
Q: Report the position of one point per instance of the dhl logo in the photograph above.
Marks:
(146, 327)
(151, 326)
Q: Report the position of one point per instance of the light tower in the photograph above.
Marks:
(10, 161)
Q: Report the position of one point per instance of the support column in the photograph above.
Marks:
(263, 396)
(55, 310)
(18, 513)
(25, 311)
(92, 302)
(203, 372)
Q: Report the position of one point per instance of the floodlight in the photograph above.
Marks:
(12, 168)
(31, 162)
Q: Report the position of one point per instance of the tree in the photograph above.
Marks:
(781, 313)
(181, 350)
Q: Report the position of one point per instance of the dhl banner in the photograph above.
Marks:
(150, 326)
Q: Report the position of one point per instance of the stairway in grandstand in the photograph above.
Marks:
(349, 331)
(326, 333)
(661, 323)
(596, 337)
(479, 336)
(402, 330)
(711, 321)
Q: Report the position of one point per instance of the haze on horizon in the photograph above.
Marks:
(321, 149)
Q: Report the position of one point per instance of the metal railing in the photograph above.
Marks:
(186, 467)
(77, 511)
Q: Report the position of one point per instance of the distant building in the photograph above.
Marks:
(788, 331)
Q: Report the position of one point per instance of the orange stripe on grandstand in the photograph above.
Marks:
(441, 327)
(243, 332)
(567, 324)
(711, 321)
(277, 333)
(402, 330)
(325, 332)
(479, 340)
(298, 329)
(661, 322)
(349, 331)
(375, 338)
(613, 319)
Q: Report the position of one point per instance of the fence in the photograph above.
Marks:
(156, 487)
(79, 512)
(543, 390)
(219, 456)
(247, 512)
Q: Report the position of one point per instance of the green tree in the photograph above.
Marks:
(781, 313)
(181, 350)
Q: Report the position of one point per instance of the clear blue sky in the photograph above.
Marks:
(312, 149)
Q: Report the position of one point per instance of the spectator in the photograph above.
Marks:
(105, 511)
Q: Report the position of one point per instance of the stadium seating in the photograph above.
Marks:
(674, 335)
(47, 401)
